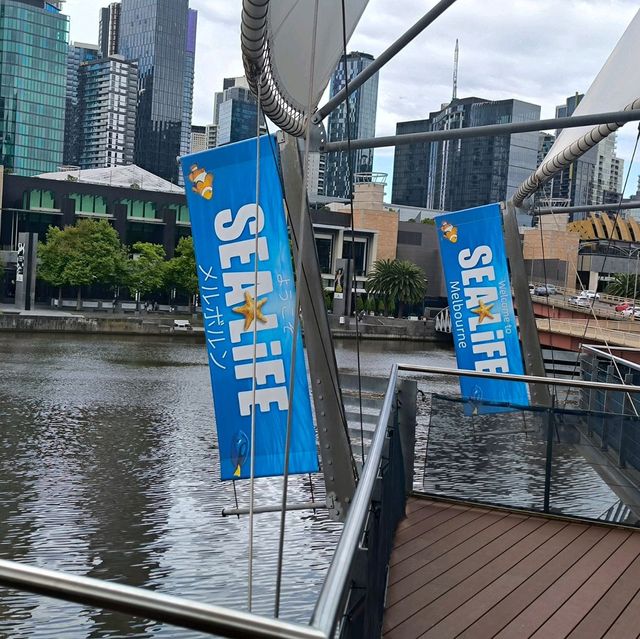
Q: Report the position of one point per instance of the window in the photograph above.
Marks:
(357, 253)
(324, 246)
(38, 199)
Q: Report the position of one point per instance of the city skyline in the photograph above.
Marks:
(503, 59)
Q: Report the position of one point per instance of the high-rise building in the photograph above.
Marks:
(362, 124)
(160, 35)
(187, 82)
(237, 116)
(198, 138)
(108, 95)
(458, 174)
(212, 136)
(78, 54)
(574, 185)
(34, 37)
(218, 97)
(109, 30)
(608, 173)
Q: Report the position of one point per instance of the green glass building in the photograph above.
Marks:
(34, 38)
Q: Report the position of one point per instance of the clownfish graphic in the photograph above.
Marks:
(202, 182)
(239, 452)
(449, 231)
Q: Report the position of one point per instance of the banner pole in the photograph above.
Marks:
(335, 450)
(531, 351)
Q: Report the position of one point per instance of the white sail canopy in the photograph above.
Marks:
(616, 88)
(277, 39)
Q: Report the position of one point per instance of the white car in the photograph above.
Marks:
(628, 312)
(579, 301)
(589, 295)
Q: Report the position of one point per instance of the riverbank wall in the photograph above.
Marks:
(369, 328)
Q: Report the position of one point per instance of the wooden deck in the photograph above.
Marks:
(462, 571)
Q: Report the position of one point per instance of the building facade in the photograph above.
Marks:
(608, 174)
(78, 54)
(159, 35)
(459, 174)
(108, 100)
(410, 166)
(362, 106)
(237, 116)
(34, 38)
(575, 185)
(198, 138)
(109, 30)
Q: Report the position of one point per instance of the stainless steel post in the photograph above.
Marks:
(533, 361)
(335, 451)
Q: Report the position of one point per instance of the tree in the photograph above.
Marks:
(146, 271)
(397, 281)
(181, 270)
(624, 285)
(88, 253)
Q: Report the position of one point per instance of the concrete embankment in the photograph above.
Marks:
(385, 328)
(50, 323)
(369, 328)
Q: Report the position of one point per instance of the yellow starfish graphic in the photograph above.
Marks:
(483, 310)
(251, 310)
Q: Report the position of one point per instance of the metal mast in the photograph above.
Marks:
(455, 73)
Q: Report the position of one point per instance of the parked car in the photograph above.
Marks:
(622, 307)
(589, 295)
(545, 290)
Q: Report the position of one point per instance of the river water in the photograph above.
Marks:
(110, 470)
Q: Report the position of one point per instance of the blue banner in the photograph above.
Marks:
(483, 322)
(221, 193)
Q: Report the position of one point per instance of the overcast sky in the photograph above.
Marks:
(540, 51)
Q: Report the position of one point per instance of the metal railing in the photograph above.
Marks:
(361, 556)
(575, 457)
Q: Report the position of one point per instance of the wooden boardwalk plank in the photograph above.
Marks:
(424, 607)
(554, 597)
(475, 573)
(417, 529)
(580, 603)
(512, 605)
(412, 545)
(611, 606)
(441, 556)
(476, 606)
(626, 625)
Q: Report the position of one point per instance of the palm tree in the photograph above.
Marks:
(397, 281)
(624, 285)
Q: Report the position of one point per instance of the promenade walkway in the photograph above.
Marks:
(465, 571)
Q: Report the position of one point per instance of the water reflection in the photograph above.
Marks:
(109, 469)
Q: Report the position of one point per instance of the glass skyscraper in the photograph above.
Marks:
(34, 38)
(451, 175)
(362, 124)
(78, 54)
(160, 35)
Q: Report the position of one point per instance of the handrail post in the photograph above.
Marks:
(406, 427)
(549, 459)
